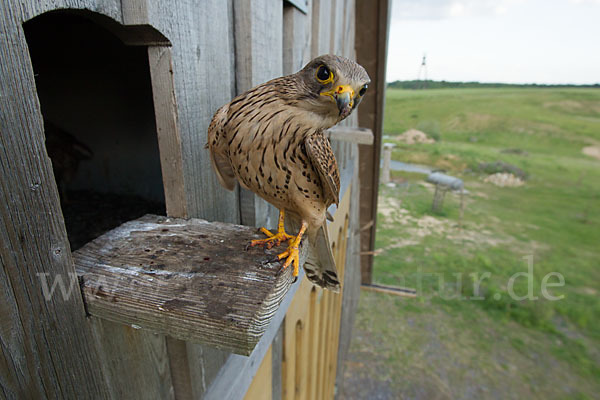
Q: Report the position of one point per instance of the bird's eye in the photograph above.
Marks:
(363, 90)
(324, 75)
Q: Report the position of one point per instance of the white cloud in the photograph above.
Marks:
(442, 9)
(597, 2)
(542, 41)
(457, 9)
(500, 10)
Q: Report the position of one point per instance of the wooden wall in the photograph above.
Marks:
(199, 57)
(371, 52)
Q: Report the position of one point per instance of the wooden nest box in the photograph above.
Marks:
(116, 280)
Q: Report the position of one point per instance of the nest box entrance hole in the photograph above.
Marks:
(96, 99)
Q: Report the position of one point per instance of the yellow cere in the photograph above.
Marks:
(339, 90)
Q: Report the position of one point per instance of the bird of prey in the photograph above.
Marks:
(66, 152)
(271, 140)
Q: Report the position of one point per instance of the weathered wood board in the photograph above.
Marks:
(371, 50)
(258, 30)
(134, 361)
(350, 135)
(203, 77)
(45, 350)
(189, 279)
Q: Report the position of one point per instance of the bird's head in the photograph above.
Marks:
(335, 86)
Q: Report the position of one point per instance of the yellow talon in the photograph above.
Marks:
(266, 232)
(273, 239)
(292, 254)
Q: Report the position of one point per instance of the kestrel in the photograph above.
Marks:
(271, 139)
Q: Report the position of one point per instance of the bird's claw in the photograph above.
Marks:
(273, 239)
(292, 256)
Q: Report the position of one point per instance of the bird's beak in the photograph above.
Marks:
(344, 98)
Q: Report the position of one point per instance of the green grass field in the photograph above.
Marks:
(464, 339)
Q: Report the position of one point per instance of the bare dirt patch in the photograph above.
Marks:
(504, 179)
(412, 230)
(592, 151)
(413, 136)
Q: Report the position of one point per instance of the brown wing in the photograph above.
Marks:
(323, 160)
(216, 142)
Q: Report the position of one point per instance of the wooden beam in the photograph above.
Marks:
(169, 139)
(258, 28)
(295, 39)
(235, 377)
(396, 291)
(189, 279)
(46, 345)
(351, 134)
(371, 51)
(202, 38)
(321, 27)
(352, 273)
(277, 355)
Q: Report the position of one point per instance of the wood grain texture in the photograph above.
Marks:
(204, 79)
(135, 12)
(371, 51)
(350, 135)
(276, 364)
(204, 364)
(167, 126)
(321, 28)
(338, 38)
(142, 372)
(45, 345)
(235, 377)
(258, 27)
(134, 361)
(199, 36)
(352, 272)
(312, 324)
(202, 38)
(177, 351)
(188, 279)
(296, 38)
(203, 71)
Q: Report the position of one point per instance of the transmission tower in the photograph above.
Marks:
(423, 71)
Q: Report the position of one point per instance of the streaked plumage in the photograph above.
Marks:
(270, 139)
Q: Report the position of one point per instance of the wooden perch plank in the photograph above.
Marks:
(350, 134)
(189, 279)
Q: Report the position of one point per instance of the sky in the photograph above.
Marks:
(508, 41)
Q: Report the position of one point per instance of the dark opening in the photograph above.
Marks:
(96, 99)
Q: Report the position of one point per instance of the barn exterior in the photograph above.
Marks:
(137, 82)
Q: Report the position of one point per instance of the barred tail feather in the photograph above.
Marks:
(320, 264)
